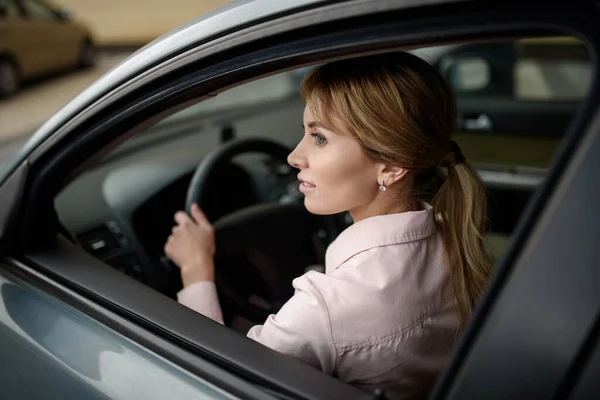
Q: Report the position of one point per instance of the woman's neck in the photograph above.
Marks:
(382, 207)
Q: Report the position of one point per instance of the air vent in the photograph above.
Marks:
(99, 241)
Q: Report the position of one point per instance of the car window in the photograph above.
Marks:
(508, 127)
(37, 10)
(255, 94)
(504, 91)
(516, 96)
(9, 10)
(516, 100)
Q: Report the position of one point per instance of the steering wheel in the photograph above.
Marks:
(260, 249)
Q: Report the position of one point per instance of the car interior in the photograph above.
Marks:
(516, 100)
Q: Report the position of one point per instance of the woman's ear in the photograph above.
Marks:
(388, 175)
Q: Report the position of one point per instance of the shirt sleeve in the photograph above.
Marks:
(202, 298)
(302, 328)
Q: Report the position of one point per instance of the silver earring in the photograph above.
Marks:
(382, 187)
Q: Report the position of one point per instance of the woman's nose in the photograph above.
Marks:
(296, 159)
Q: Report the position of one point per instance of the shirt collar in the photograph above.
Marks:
(378, 231)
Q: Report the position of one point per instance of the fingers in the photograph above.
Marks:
(198, 218)
(182, 218)
(198, 215)
(167, 246)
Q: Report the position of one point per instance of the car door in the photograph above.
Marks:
(16, 43)
(49, 39)
(557, 267)
(51, 350)
(513, 97)
(523, 93)
(188, 67)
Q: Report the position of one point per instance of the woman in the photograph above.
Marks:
(403, 279)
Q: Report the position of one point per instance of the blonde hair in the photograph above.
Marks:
(402, 112)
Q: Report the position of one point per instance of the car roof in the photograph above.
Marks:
(230, 17)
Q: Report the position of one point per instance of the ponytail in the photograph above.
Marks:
(460, 207)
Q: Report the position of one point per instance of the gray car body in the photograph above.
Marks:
(72, 356)
(32, 339)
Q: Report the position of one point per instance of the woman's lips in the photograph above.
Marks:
(306, 187)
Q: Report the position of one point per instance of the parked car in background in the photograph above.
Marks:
(38, 39)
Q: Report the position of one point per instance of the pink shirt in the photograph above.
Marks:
(382, 315)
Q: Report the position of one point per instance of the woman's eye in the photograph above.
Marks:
(319, 140)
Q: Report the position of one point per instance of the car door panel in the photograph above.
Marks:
(35, 44)
(512, 134)
(51, 351)
(18, 43)
(47, 37)
(14, 43)
(506, 149)
(72, 39)
(586, 385)
(209, 349)
(529, 118)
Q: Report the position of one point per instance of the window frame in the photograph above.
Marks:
(94, 132)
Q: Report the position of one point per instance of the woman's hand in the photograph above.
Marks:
(191, 246)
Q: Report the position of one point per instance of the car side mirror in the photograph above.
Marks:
(466, 74)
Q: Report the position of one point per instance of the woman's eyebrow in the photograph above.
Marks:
(315, 124)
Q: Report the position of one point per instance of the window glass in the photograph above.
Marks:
(37, 10)
(9, 10)
(516, 96)
(516, 99)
